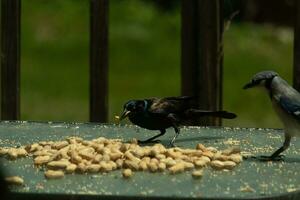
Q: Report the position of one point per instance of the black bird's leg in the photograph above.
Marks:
(174, 119)
(276, 155)
(177, 131)
(162, 132)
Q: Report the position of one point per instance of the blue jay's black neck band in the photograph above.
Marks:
(268, 83)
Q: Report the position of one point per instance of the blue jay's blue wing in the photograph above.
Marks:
(292, 107)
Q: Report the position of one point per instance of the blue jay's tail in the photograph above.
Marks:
(203, 113)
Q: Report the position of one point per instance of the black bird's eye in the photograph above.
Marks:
(130, 106)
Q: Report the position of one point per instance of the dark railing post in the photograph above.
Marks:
(201, 54)
(296, 71)
(10, 59)
(99, 60)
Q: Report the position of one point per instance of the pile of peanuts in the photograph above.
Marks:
(104, 155)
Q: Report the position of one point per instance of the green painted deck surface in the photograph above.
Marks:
(268, 179)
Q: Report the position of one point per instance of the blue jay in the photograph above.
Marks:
(286, 102)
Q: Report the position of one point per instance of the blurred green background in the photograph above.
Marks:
(144, 60)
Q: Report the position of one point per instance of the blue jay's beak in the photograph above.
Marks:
(249, 85)
(124, 114)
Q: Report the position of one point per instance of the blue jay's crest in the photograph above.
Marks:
(259, 77)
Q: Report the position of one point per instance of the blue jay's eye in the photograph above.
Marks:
(262, 82)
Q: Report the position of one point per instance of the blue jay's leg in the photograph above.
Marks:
(174, 119)
(276, 155)
(286, 145)
(151, 140)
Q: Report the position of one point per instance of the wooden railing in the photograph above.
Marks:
(10, 59)
(201, 53)
(201, 57)
(99, 61)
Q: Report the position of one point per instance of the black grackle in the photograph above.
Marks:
(162, 113)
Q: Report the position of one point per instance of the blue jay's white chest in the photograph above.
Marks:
(291, 125)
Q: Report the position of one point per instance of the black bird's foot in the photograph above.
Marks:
(271, 158)
(148, 141)
(172, 144)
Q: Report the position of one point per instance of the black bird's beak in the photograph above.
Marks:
(124, 114)
(248, 85)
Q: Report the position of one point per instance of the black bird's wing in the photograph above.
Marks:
(181, 110)
(291, 106)
(180, 98)
(165, 106)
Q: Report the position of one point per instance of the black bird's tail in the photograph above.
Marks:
(203, 113)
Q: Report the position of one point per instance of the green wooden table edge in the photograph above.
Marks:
(19, 195)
